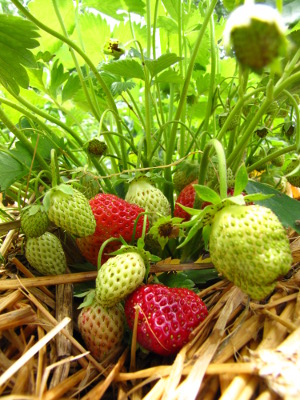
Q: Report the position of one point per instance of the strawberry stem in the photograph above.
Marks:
(54, 168)
(221, 158)
(111, 239)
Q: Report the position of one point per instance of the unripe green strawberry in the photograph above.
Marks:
(184, 174)
(273, 108)
(142, 193)
(230, 178)
(70, 210)
(45, 253)
(288, 129)
(233, 123)
(102, 329)
(118, 277)
(262, 132)
(212, 175)
(293, 179)
(89, 186)
(249, 246)
(96, 147)
(278, 161)
(256, 33)
(34, 220)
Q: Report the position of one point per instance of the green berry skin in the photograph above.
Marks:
(249, 246)
(257, 45)
(71, 212)
(102, 329)
(45, 253)
(96, 147)
(142, 193)
(118, 277)
(34, 220)
(233, 123)
(278, 161)
(184, 174)
(89, 186)
(256, 33)
(293, 179)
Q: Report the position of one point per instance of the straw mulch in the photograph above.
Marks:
(243, 350)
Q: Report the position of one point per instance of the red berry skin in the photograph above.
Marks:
(187, 198)
(166, 317)
(115, 217)
(89, 247)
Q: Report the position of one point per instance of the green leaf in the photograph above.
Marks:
(119, 87)
(43, 10)
(10, 170)
(171, 8)
(107, 7)
(168, 24)
(94, 32)
(58, 77)
(177, 279)
(67, 189)
(169, 76)
(286, 208)
(126, 68)
(203, 275)
(136, 7)
(162, 63)
(207, 194)
(16, 37)
(241, 180)
(70, 87)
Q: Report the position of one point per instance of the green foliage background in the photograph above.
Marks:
(155, 97)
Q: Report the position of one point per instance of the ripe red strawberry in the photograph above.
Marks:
(102, 329)
(186, 197)
(115, 217)
(89, 247)
(166, 317)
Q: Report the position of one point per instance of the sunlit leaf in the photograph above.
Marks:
(171, 7)
(119, 87)
(10, 170)
(70, 87)
(162, 63)
(168, 24)
(58, 76)
(125, 68)
(43, 10)
(17, 36)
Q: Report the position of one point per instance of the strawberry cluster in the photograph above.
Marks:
(167, 316)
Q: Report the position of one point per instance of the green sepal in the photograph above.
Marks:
(88, 298)
(63, 188)
(257, 197)
(207, 194)
(155, 230)
(34, 209)
(241, 180)
(146, 255)
(205, 235)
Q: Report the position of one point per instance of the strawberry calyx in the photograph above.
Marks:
(60, 190)
(204, 217)
(166, 228)
(139, 249)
